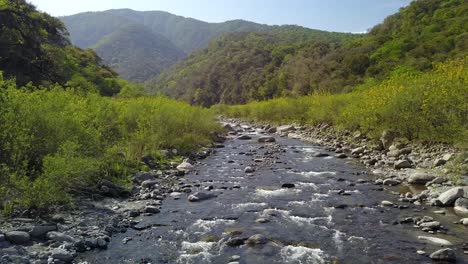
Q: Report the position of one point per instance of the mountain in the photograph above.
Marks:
(137, 53)
(239, 68)
(157, 39)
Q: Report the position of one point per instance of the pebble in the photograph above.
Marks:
(386, 203)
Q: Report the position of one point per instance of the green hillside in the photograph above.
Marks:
(261, 66)
(136, 53)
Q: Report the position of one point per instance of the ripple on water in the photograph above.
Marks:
(249, 206)
(195, 252)
(302, 255)
(317, 173)
(205, 226)
(308, 184)
(276, 192)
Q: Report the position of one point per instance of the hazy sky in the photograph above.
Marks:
(332, 15)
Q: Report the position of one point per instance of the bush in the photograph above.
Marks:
(57, 142)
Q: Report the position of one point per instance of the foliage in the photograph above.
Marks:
(428, 106)
(56, 142)
(34, 47)
(241, 68)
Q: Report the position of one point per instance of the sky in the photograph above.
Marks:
(330, 15)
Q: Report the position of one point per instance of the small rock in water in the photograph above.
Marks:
(151, 209)
(288, 185)
(235, 242)
(62, 254)
(421, 252)
(262, 220)
(257, 239)
(448, 198)
(234, 258)
(435, 240)
(445, 254)
(200, 196)
(244, 137)
(386, 203)
(320, 154)
(249, 170)
(266, 139)
(391, 182)
(402, 164)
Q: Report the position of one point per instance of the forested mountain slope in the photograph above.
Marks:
(254, 66)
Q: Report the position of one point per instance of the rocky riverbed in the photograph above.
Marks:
(292, 195)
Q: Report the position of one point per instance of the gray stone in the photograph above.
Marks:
(143, 176)
(391, 182)
(320, 154)
(439, 162)
(284, 129)
(386, 203)
(420, 177)
(244, 137)
(185, 166)
(266, 139)
(448, 198)
(62, 254)
(60, 237)
(464, 221)
(262, 220)
(42, 230)
(271, 130)
(257, 239)
(235, 242)
(445, 254)
(341, 156)
(435, 241)
(387, 138)
(402, 164)
(200, 196)
(447, 156)
(149, 183)
(151, 209)
(461, 206)
(358, 151)
(431, 225)
(18, 237)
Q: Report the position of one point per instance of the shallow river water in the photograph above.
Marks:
(310, 223)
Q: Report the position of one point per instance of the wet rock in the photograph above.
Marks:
(445, 254)
(60, 237)
(234, 258)
(420, 177)
(461, 205)
(3, 242)
(266, 139)
(62, 254)
(386, 203)
(151, 209)
(448, 198)
(262, 220)
(288, 185)
(320, 154)
(391, 182)
(249, 170)
(285, 128)
(41, 230)
(200, 196)
(402, 164)
(431, 225)
(235, 242)
(256, 240)
(244, 137)
(341, 156)
(421, 252)
(341, 206)
(18, 237)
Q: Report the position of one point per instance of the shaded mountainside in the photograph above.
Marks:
(137, 53)
(239, 68)
(160, 39)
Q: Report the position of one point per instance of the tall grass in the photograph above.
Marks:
(56, 142)
(429, 106)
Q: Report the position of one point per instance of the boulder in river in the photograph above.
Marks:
(151, 209)
(249, 170)
(200, 196)
(40, 231)
(448, 198)
(266, 139)
(435, 241)
(256, 240)
(62, 254)
(445, 254)
(18, 237)
(60, 237)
